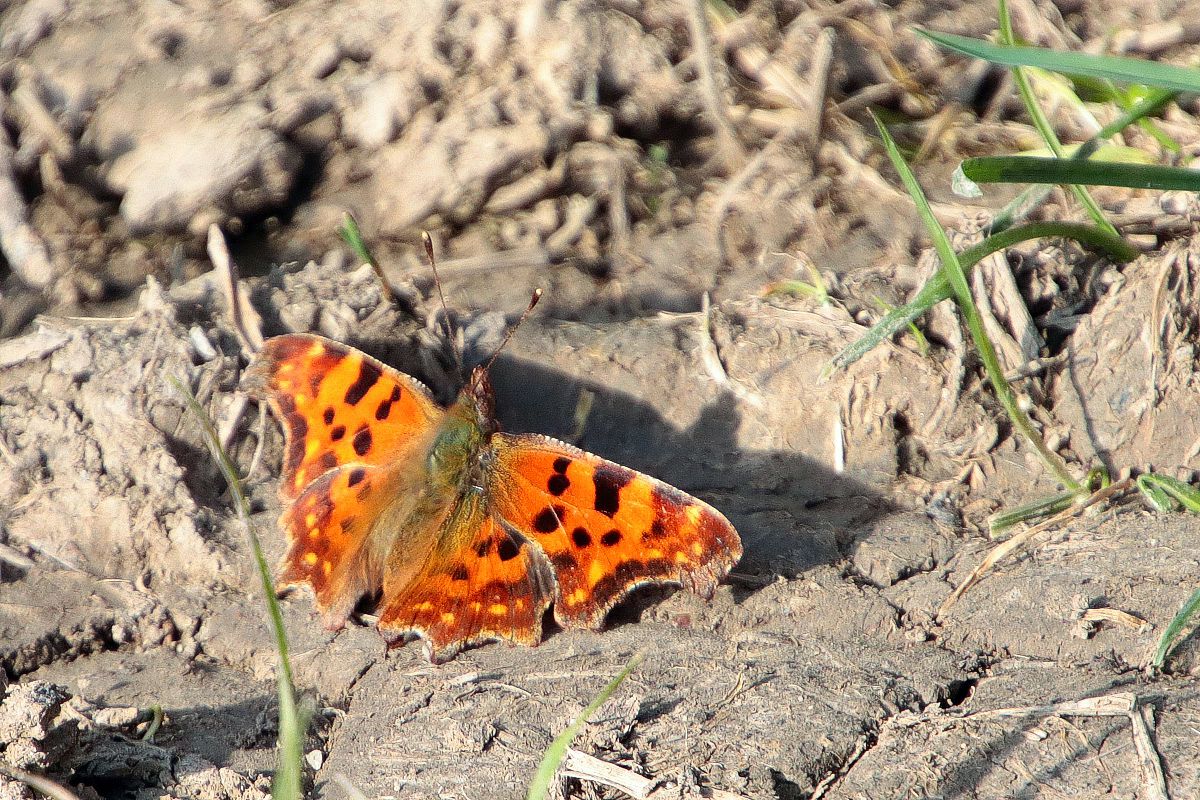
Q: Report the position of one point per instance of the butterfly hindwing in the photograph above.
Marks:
(328, 529)
(479, 583)
(605, 529)
(338, 406)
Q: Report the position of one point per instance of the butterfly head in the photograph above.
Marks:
(478, 400)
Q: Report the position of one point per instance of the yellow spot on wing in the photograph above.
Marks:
(311, 519)
(697, 548)
(310, 558)
(499, 609)
(284, 383)
(595, 572)
(311, 447)
(448, 617)
(423, 606)
(316, 349)
(577, 597)
(314, 532)
(694, 513)
(286, 366)
(327, 568)
(681, 558)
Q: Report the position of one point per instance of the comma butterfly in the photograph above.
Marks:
(466, 533)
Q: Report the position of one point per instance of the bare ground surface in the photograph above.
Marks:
(575, 147)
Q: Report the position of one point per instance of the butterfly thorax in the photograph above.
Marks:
(454, 457)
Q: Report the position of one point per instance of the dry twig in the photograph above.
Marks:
(246, 322)
(999, 553)
(585, 767)
(39, 783)
(729, 149)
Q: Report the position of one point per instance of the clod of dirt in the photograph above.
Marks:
(30, 739)
(47, 731)
(1127, 391)
(202, 170)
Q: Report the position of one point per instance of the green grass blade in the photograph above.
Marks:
(1171, 636)
(352, 236)
(918, 336)
(966, 303)
(1030, 169)
(1032, 197)
(293, 721)
(937, 288)
(1034, 109)
(1046, 507)
(539, 788)
(1178, 491)
(1115, 68)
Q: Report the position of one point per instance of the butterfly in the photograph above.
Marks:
(465, 534)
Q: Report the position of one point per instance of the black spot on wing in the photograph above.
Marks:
(362, 440)
(328, 461)
(337, 433)
(328, 416)
(483, 548)
(611, 538)
(609, 481)
(546, 521)
(558, 483)
(368, 376)
(383, 410)
(459, 573)
(581, 538)
(508, 549)
(356, 476)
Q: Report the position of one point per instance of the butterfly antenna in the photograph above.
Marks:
(427, 240)
(533, 301)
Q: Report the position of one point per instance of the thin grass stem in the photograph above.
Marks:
(292, 721)
(966, 303)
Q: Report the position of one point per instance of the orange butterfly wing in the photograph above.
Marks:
(338, 406)
(606, 529)
(350, 425)
(479, 583)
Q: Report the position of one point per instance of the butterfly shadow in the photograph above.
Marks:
(792, 512)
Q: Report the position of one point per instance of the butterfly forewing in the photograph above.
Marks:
(605, 529)
(338, 406)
